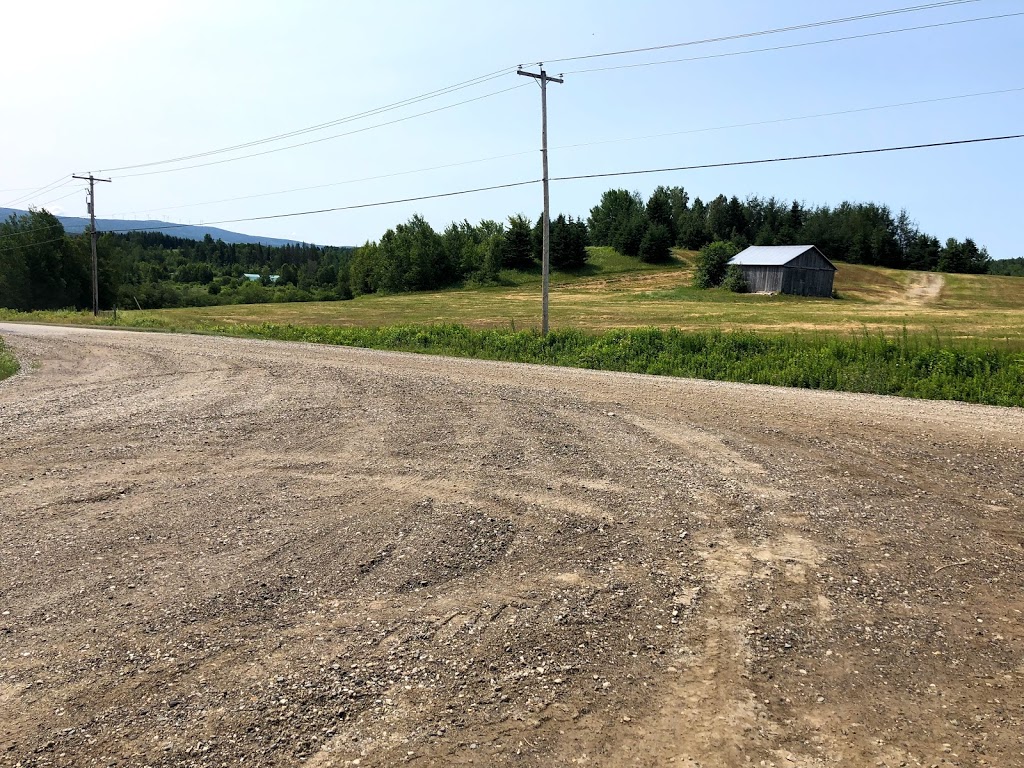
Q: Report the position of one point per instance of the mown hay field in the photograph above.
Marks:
(616, 292)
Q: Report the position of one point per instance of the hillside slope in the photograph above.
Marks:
(873, 299)
(75, 225)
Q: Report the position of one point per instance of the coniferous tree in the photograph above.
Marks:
(518, 243)
(619, 220)
(693, 227)
(660, 213)
(923, 252)
(656, 244)
(568, 242)
(963, 257)
(718, 221)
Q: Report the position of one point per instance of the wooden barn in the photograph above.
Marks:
(801, 270)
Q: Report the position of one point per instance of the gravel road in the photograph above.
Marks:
(227, 552)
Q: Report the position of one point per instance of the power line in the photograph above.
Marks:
(793, 45)
(878, 150)
(342, 208)
(774, 121)
(53, 186)
(323, 138)
(58, 199)
(507, 70)
(27, 200)
(337, 183)
(499, 73)
(735, 163)
(709, 129)
(329, 124)
(18, 189)
(761, 33)
(41, 242)
(339, 208)
(502, 72)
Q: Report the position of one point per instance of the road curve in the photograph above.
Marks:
(219, 551)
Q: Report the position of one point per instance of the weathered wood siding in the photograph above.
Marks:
(763, 279)
(807, 275)
(807, 282)
(810, 259)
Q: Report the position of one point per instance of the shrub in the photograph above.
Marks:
(711, 263)
(8, 362)
(734, 280)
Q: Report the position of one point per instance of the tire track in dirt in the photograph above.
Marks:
(708, 714)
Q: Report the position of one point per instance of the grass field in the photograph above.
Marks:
(8, 363)
(889, 332)
(617, 292)
(908, 366)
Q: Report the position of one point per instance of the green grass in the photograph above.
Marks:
(615, 291)
(906, 365)
(909, 366)
(995, 291)
(625, 294)
(603, 261)
(961, 341)
(8, 362)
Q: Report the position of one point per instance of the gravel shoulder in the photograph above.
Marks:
(221, 551)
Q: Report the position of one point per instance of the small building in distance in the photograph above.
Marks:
(256, 278)
(801, 270)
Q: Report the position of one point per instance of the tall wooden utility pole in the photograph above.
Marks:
(92, 227)
(543, 78)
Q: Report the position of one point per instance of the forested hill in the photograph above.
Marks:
(43, 267)
(857, 233)
(74, 225)
(1012, 267)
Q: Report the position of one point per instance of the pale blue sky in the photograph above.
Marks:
(112, 83)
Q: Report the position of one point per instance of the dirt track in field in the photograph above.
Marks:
(216, 549)
(926, 287)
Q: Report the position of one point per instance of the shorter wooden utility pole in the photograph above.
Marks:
(546, 220)
(92, 227)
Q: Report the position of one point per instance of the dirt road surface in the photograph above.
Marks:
(227, 552)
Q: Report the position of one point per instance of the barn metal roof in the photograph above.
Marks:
(773, 255)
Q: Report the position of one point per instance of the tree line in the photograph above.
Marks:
(414, 257)
(42, 267)
(857, 233)
(1011, 267)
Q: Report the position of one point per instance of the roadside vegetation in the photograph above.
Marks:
(961, 339)
(873, 363)
(908, 365)
(8, 362)
(904, 365)
(614, 291)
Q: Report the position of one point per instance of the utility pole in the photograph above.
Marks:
(543, 78)
(92, 227)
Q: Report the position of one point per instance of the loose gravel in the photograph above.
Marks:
(228, 552)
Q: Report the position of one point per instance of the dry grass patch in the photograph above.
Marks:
(608, 295)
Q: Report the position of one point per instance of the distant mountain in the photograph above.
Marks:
(74, 225)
